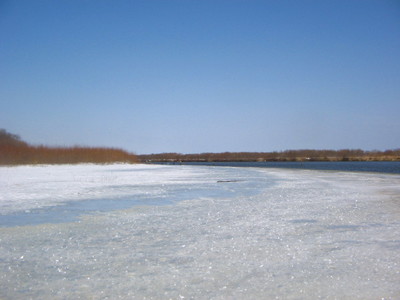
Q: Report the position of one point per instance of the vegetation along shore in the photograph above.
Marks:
(14, 151)
(289, 155)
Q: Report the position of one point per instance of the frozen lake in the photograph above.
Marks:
(197, 232)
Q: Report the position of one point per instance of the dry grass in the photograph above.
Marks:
(26, 154)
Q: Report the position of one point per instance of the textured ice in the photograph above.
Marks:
(283, 234)
(37, 194)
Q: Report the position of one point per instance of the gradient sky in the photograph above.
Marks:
(195, 76)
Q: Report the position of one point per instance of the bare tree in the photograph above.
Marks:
(7, 138)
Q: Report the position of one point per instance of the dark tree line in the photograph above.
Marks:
(288, 155)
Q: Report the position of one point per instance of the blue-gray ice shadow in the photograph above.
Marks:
(70, 211)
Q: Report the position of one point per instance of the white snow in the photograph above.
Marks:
(30, 187)
(274, 234)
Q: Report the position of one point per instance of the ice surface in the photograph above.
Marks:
(26, 188)
(283, 234)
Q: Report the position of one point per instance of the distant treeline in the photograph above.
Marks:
(14, 151)
(289, 155)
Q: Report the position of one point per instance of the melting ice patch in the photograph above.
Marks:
(309, 235)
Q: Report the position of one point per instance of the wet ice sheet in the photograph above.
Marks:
(311, 235)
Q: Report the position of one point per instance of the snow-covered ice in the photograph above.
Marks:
(225, 233)
(27, 188)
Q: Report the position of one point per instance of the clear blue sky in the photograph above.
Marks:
(195, 76)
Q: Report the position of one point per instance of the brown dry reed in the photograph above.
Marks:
(14, 151)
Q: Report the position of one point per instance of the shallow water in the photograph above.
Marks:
(291, 235)
(391, 167)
